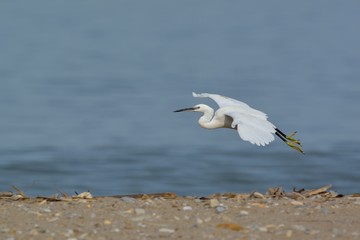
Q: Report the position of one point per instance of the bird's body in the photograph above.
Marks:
(251, 124)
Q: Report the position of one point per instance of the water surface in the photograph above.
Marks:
(88, 91)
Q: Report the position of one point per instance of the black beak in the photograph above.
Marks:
(185, 109)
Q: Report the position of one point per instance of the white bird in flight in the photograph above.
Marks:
(251, 124)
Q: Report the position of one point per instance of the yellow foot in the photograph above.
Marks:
(295, 146)
(293, 140)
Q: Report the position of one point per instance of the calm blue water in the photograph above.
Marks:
(88, 91)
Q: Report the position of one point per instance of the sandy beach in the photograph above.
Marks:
(300, 214)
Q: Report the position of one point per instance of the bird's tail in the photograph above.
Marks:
(290, 140)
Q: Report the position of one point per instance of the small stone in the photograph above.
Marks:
(53, 219)
(141, 225)
(230, 226)
(214, 202)
(187, 208)
(297, 203)
(257, 195)
(139, 211)
(263, 229)
(107, 222)
(34, 232)
(334, 194)
(199, 221)
(83, 236)
(271, 227)
(244, 213)
(289, 233)
(4, 230)
(314, 232)
(325, 211)
(84, 195)
(220, 209)
(46, 210)
(69, 233)
(139, 218)
(357, 202)
(166, 232)
(300, 228)
(128, 199)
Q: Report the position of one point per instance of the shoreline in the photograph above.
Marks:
(302, 214)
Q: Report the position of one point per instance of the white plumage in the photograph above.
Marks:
(251, 124)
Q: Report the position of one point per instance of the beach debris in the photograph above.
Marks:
(220, 209)
(6, 194)
(187, 208)
(300, 228)
(165, 195)
(139, 211)
(20, 194)
(295, 195)
(334, 194)
(260, 205)
(317, 191)
(257, 195)
(263, 229)
(166, 232)
(244, 213)
(231, 226)
(128, 199)
(289, 233)
(298, 191)
(83, 195)
(276, 192)
(46, 210)
(107, 222)
(199, 221)
(214, 202)
(297, 203)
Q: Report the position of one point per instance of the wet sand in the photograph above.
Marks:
(311, 214)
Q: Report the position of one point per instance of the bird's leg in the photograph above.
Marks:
(280, 133)
(281, 136)
(289, 140)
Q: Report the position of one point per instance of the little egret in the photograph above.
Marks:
(251, 124)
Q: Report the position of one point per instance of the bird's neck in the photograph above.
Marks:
(205, 120)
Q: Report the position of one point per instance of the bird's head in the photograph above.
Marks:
(196, 108)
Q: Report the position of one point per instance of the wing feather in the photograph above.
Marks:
(250, 128)
(223, 101)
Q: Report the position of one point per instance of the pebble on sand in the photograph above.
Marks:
(214, 202)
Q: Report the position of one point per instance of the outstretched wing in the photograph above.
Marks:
(251, 124)
(223, 101)
(251, 128)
